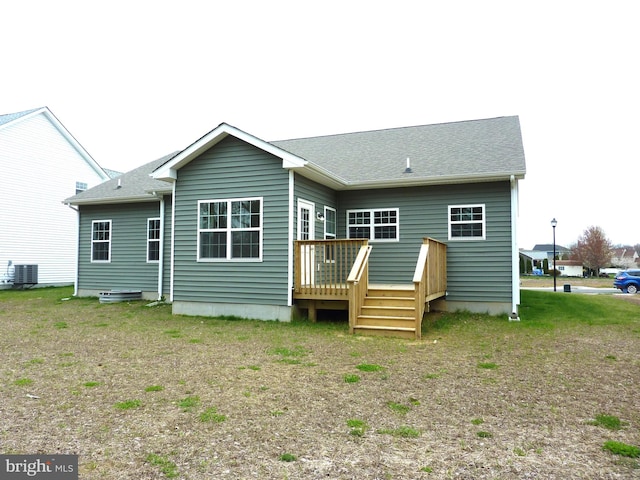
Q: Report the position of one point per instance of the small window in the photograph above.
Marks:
(377, 225)
(466, 222)
(329, 223)
(81, 187)
(330, 228)
(153, 240)
(230, 229)
(101, 241)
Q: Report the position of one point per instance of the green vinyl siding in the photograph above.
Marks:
(128, 267)
(319, 195)
(477, 270)
(232, 169)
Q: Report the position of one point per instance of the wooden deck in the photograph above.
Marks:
(334, 274)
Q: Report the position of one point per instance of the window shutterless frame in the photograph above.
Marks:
(153, 240)
(230, 230)
(467, 222)
(378, 224)
(101, 241)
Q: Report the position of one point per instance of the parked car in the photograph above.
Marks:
(628, 281)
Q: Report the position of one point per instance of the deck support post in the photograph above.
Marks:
(312, 312)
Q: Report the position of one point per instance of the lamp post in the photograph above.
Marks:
(554, 222)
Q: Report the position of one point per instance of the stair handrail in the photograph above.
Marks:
(430, 277)
(420, 286)
(358, 284)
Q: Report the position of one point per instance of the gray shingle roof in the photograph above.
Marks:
(475, 148)
(133, 186)
(447, 152)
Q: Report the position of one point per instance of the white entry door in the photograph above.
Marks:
(306, 231)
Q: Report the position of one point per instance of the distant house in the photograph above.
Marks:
(625, 257)
(569, 268)
(41, 164)
(533, 260)
(561, 252)
(235, 225)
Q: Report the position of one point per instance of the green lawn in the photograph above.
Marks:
(139, 393)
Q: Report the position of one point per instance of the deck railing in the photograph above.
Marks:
(321, 267)
(430, 277)
(358, 281)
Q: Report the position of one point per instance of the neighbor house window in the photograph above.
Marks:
(230, 229)
(80, 187)
(377, 224)
(467, 222)
(153, 240)
(101, 241)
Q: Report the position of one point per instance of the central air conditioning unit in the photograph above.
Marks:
(26, 275)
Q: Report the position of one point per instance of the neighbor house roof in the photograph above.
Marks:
(10, 117)
(548, 247)
(133, 186)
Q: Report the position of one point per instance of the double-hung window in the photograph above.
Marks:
(230, 229)
(330, 229)
(153, 240)
(329, 223)
(101, 241)
(81, 187)
(467, 222)
(375, 224)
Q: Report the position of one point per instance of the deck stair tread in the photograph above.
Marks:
(388, 308)
(385, 327)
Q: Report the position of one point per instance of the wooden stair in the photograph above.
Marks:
(389, 311)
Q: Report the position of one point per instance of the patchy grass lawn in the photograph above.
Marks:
(138, 393)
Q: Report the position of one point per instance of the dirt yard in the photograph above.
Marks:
(140, 394)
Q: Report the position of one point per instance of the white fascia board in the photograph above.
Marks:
(169, 171)
(444, 180)
(115, 201)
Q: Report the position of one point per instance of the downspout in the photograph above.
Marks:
(77, 267)
(161, 256)
(290, 240)
(515, 263)
(173, 240)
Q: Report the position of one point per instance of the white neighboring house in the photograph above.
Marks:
(569, 268)
(41, 165)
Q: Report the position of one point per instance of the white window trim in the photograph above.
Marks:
(483, 222)
(101, 241)
(229, 230)
(306, 204)
(333, 236)
(373, 225)
(149, 240)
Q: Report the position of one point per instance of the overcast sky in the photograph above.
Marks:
(134, 80)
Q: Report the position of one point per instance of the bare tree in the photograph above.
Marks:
(593, 249)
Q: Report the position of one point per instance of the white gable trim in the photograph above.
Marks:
(67, 136)
(169, 171)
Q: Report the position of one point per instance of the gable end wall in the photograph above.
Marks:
(232, 169)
